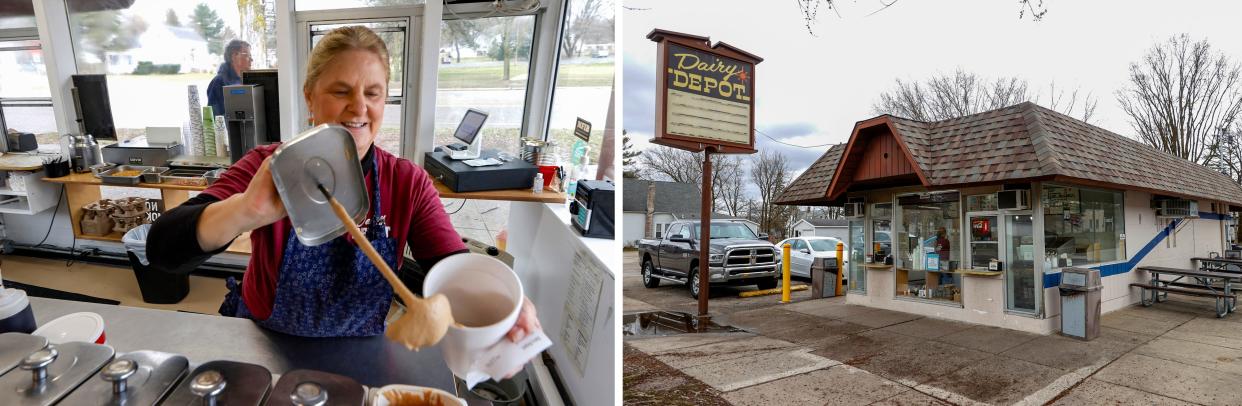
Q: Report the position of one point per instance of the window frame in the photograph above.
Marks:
(1043, 226)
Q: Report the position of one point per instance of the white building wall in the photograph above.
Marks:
(635, 225)
(983, 299)
(840, 233)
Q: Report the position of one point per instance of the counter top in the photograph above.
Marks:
(513, 195)
(877, 266)
(372, 361)
(88, 178)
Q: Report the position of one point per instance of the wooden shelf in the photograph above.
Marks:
(513, 195)
(90, 179)
(878, 267)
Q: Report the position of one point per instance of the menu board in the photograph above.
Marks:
(586, 284)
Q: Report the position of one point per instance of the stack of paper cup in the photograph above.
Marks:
(209, 132)
(196, 122)
(222, 137)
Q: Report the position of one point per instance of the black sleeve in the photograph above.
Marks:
(172, 244)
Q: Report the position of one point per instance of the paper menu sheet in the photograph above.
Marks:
(586, 282)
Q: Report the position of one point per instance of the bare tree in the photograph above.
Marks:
(810, 10)
(769, 171)
(1181, 96)
(728, 181)
(943, 96)
(664, 163)
(586, 19)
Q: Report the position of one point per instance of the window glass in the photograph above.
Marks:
(151, 50)
(727, 230)
(394, 34)
(824, 245)
(484, 64)
(984, 246)
(857, 278)
(928, 249)
(981, 202)
(881, 229)
(584, 78)
(1082, 226)
(25, 98)
(306, 5)
(17, 14)
(798, 245)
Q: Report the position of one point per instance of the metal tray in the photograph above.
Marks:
(326, 155)
(154, 175)
(185, 177)
(153, 377)
(244, 384)
(110, 176)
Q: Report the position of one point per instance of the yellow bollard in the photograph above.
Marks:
(840, 267)
(785, 273)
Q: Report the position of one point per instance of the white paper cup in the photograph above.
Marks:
(486, 297)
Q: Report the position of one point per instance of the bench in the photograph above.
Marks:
(1224, 303)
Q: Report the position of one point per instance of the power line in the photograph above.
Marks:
(792, 145)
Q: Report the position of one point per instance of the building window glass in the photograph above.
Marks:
(584, 78)
(25, 98)
(981, 202)
(984, 246)
(882, 230)
(1082, 226)
(857, 274)
(394, 34)
(928, 252)
(152, 50)
(659, 230)
(307, 5)
(484, 64)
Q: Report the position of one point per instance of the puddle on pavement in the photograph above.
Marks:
(662, 323)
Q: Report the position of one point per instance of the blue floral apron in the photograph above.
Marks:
(329, 290)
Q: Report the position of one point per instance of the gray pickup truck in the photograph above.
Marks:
(736, 257)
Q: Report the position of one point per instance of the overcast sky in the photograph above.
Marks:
(810, 90)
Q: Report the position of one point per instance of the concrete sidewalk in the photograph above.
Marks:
(827, 352)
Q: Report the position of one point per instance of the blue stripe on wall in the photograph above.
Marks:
(1052, 279)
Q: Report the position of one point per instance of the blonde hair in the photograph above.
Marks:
(341, 40)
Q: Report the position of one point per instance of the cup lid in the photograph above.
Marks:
(12, 301)
(82, 326)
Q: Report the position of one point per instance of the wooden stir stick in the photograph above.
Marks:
(425, 320)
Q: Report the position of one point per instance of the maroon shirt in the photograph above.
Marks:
(409, 203)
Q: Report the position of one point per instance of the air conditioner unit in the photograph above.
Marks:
(1013, 199)
(854, 210)
(1178, 208)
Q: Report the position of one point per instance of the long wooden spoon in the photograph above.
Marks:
(425, 320)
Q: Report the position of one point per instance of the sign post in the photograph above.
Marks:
(704, 103)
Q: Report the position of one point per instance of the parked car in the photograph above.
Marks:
(804, 251)
(736, 257)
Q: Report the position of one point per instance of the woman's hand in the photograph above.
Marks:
(527, 323)
(260, 200)
(256, 207)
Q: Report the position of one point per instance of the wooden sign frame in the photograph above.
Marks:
(663, 39)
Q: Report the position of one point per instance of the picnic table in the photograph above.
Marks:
(1220, 264)
(1192, 282)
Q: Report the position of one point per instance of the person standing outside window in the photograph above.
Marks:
(236, 60)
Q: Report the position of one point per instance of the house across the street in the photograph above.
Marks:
(819, 227)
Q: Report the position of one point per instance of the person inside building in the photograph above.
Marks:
(329, 290)
(236, 60)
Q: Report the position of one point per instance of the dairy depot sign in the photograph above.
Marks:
(705, 94)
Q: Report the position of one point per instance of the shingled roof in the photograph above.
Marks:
(1024, 142)
(812, 186)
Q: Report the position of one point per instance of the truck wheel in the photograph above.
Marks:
(766, 284)
(649, 280)
(694, 282)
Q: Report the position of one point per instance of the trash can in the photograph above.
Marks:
(1080, 303)
(824, 277)
(157, 287)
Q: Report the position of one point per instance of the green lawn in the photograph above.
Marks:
(491, 76)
